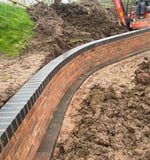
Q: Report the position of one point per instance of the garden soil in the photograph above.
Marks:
(108, 118)
(58, 28)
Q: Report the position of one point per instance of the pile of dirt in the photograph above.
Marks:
(112, 124)
(143, 73)
(88, 18)
(60, 27)
(49, 38)
(113, 15)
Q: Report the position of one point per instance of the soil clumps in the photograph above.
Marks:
(112, 124)
(60, 27)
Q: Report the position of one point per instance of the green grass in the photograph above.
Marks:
(106, 4)
(109, 3)
(16, 29)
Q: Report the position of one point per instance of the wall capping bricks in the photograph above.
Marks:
(25, 117)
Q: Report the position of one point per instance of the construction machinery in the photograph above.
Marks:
(128, 16)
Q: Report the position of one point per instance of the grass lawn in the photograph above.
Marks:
(16, 29)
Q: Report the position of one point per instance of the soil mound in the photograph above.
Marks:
(60, 27)
(48, 30)
(143, 73)
(88, 17)
(114, 124)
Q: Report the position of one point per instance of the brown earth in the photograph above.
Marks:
(58, 28)
(109, 123)
(61, 27)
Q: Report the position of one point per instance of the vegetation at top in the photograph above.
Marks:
(16, 29)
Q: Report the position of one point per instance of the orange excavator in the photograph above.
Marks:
(134, 19)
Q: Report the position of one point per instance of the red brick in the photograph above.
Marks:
(6, 158)
(9, 146)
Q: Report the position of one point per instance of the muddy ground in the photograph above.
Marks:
(58, 28)
(108, 119)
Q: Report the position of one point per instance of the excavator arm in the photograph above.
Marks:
(120, 10)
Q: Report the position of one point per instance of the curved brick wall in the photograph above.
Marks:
(25, 117)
